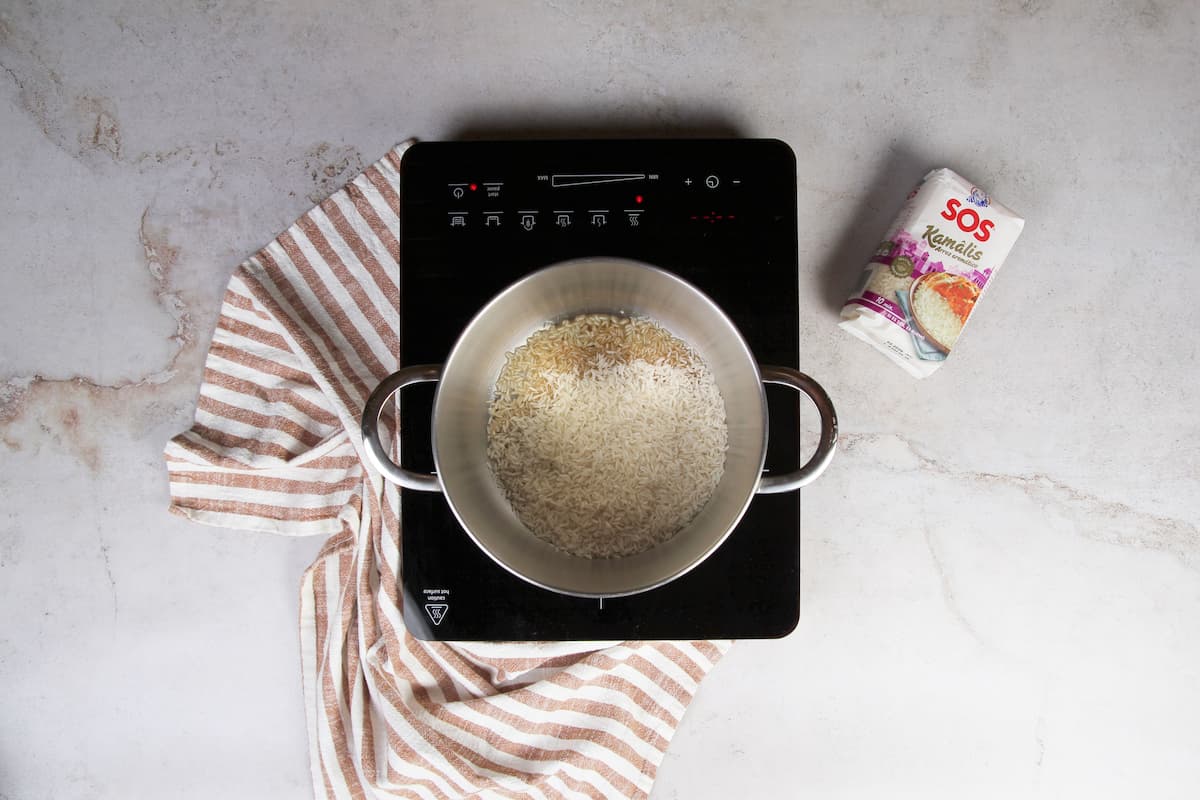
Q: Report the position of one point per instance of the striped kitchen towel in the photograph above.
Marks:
(309, 325)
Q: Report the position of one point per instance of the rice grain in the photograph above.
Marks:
(607, 434)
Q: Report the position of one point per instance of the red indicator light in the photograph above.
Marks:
(638, 199)
(474, 186)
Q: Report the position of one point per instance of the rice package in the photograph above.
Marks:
(927, 276)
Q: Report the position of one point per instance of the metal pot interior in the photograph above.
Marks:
(465, 391)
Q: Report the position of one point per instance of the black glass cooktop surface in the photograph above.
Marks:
(477, 216)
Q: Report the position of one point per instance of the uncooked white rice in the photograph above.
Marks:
(607, 434)
(886, 284)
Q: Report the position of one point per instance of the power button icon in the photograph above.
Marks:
(712, 181)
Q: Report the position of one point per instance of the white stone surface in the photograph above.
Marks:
(1001, 570)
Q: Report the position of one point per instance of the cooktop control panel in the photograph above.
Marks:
(560, 203)
(532, 191)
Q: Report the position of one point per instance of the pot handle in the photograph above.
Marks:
(786, 376)
(375, 451)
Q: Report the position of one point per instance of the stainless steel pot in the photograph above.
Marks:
(467, 379)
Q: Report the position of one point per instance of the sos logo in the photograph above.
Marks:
(968, 220)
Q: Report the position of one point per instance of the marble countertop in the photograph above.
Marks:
(1001, 569)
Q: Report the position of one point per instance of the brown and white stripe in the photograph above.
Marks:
(308, 327)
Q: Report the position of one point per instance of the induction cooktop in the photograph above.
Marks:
(475, 217)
